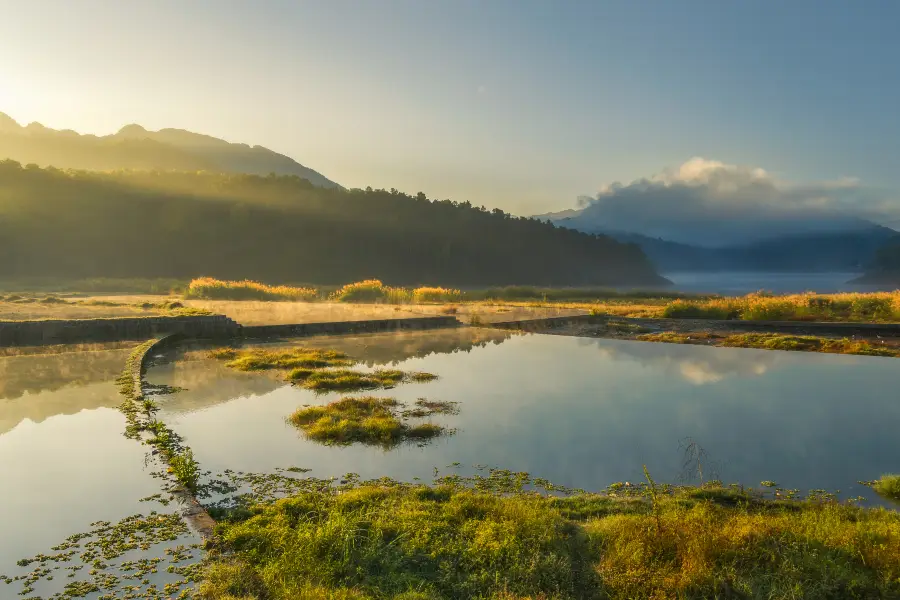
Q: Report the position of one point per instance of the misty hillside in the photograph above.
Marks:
(133, 147)
(283, 229)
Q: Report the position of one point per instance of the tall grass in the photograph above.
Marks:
(214, 289)
(878, 306)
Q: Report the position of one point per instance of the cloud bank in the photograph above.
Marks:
(711, 203)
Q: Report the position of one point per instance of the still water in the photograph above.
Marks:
(580, 412)
(738, 283)
(63, 459)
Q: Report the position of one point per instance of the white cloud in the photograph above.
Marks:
(713, 203)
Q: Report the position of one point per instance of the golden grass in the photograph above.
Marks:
(774, 341)
(214, 289)
(876, 306)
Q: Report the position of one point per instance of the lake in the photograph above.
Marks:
(580, 412)
(738, 283)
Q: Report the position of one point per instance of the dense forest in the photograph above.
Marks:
(73, 224)
(133, 147)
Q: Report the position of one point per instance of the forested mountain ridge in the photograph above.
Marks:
(73, 224)
(133, 147)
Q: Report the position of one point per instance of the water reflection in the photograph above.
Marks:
(26, 380)
(695, 364)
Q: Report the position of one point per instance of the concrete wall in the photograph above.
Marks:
(338, 327)
(38, 333)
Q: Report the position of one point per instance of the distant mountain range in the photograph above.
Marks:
(850, 245)
(133, 147)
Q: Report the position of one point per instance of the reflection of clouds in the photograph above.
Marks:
(695, 364)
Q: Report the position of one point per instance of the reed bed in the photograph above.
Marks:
(876, 306)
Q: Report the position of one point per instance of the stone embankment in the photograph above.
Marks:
(40, 333)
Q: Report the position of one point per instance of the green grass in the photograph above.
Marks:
(260, 360)
(449, 541)
(345, 380)
(888, 486)
(366, 420)
(685, 309)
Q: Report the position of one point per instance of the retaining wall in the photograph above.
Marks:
(339, 327)
(39, 333)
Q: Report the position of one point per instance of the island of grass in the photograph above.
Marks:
(888, 487)
(455, 540)
(371, 421)
(321, 370)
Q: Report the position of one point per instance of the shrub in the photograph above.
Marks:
(371, 290)
(213, 289)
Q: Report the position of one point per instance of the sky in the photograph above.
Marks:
(518, 104)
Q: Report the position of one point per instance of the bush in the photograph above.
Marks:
(369, 291)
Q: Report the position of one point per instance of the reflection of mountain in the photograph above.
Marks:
(696, 364)
(36, 387)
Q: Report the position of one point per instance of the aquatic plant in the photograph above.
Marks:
(214, 289)
(366, 420)
(775, 341)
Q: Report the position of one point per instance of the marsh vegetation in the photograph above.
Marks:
(371, 420)
(500, 537)
(775, 341)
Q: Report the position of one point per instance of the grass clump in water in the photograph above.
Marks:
(807, 343)
(366, 420)
(344, 380)
(291, 358)
(208, 288)
(888, 486)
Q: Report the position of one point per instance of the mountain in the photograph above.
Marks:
(851, 248)
(77, 224)
(133, 147)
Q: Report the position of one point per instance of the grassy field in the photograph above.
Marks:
(492, 539)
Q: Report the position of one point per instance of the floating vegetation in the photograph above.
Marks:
(92, 561)
(775, 341)
(345, 380)
(502, 536)
(369, 420)
(291, 358)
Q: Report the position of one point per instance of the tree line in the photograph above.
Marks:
(75, 224)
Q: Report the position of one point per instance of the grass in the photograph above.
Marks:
(878, 307)
(345, 380)
(775, 341)
(214, 289)
(888, 487)
(367, 420)
(260, 360)
(456, 541)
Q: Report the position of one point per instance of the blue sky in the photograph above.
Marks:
(511, 103)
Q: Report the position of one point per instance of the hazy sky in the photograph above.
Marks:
(511, 103)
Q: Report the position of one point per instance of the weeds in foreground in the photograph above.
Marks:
(368, 420)
(494, 537)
